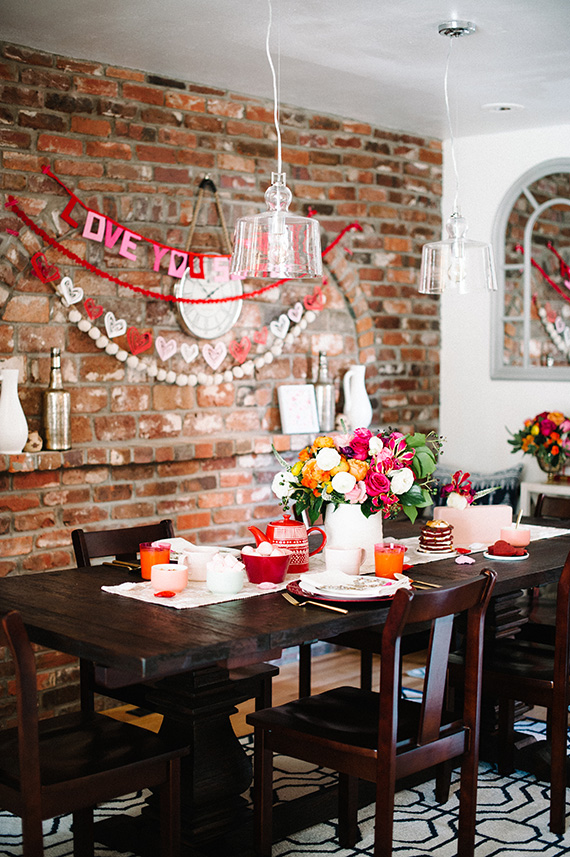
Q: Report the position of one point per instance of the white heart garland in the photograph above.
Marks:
(214, 355)
(165, 348)
(296, 312)
(189, 352)
(280, 327)
(114, 326)
(69, 293)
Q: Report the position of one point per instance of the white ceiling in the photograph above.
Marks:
(373, 60)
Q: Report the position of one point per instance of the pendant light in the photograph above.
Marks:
(276, 243)
(456, 263)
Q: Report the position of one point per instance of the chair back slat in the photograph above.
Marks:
(121, 544)
(14, 636)
(552, 507)
(438, 607)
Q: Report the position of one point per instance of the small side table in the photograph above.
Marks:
(533, 489)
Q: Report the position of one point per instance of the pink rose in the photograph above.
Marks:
(376, 483)
(359, 443)
(358, 493)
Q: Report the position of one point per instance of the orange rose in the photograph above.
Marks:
(320, 442)
(343, 466)
(358, 468)
(305, 454)
(313, 475)
(556, 417)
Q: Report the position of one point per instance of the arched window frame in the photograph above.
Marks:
(522, 185)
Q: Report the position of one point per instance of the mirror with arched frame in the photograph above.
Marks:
(531, 309)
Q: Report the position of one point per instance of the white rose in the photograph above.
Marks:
(343, 482)
(457, 501)
(401, 480)
(375, 445)
(327, 458)
(283, 484)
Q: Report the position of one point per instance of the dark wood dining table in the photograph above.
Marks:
(134, 641)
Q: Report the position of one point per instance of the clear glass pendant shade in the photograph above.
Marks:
(275, 243)
(457, 263)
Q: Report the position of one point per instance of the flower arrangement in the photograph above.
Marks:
(385, 472)
(547, 437)
(459, 493)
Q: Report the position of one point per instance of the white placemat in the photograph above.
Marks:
(196, 593)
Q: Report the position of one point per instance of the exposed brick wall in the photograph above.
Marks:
(135, 147)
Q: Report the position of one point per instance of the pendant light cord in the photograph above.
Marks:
(451, 137)
(275, 89)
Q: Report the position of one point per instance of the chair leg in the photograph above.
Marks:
(170, 812)
(468, 804)
(265, 695)
(83, 833)
(506, 737)
(366, 670)
(304, 670)
(348, 831)
(558, 760)
(443, 781)
(384, 820)
(263, 795)
(32, 834)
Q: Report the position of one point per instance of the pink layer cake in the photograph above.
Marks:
(475, 523)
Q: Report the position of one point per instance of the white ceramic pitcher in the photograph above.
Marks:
(357, 407)
(13, 423)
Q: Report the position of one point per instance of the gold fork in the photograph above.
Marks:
(294, 601)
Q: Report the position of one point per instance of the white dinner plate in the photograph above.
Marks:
(438, 554)
(506, 558)
(349, 586)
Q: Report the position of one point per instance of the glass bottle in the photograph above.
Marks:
(324, 392)
(56, 408)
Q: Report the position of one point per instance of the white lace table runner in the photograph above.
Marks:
(197, 593)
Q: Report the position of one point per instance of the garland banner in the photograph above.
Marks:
(103, 229)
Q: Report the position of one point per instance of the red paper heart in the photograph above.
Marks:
(316, 300)
(139, 341)
(46, 272)
(260, 336)
(92, 309)
(240, 350)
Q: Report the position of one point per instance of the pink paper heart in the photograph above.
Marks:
(46, 272)
(139, 340)
(214, 355)
(165, 348)
(240, 350)
(114, 326)
(316, 300)
(260, 336)
(296, 312)
(93, 310)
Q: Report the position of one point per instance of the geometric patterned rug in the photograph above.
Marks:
(512, 818)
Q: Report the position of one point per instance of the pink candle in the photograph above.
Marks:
(519, 537)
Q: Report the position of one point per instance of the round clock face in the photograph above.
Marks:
(208, 321)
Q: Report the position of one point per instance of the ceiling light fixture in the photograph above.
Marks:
(456, 262)
(276, 243)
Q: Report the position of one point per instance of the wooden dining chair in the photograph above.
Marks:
(381, 737)
(69, 764)
(538, 674)
(252, 681)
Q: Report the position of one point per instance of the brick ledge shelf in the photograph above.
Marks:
(147, 453)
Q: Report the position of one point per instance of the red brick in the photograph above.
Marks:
(78, 168)
(125, 74)
(96, 86)
(61, 145)
(219, 107)
(193, 521)
(85, 125)
(19, 502)
(160, 425)
(16, 139)
(16, 546)
(37, 521)
(115, 428)
(120, 151)
(236, 162)
(27, 309)
(146, 94)
(157, 154)
(133, 510)
(20, 161)
(183, 101)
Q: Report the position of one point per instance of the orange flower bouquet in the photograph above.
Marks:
(546, 437)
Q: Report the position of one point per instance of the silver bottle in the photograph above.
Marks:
(56, 408)
(324, 392)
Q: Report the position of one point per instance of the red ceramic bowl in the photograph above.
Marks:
(266, 569)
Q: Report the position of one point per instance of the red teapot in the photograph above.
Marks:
(291, 535)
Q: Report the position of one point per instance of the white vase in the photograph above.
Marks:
(347, 527)
(357, 407)
(13, 423)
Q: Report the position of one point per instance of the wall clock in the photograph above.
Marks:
(210, 320)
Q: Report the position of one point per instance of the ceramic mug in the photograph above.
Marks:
(168, 576)
(347, 560)
(227, 581)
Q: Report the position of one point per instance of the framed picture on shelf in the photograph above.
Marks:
(298, 408)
